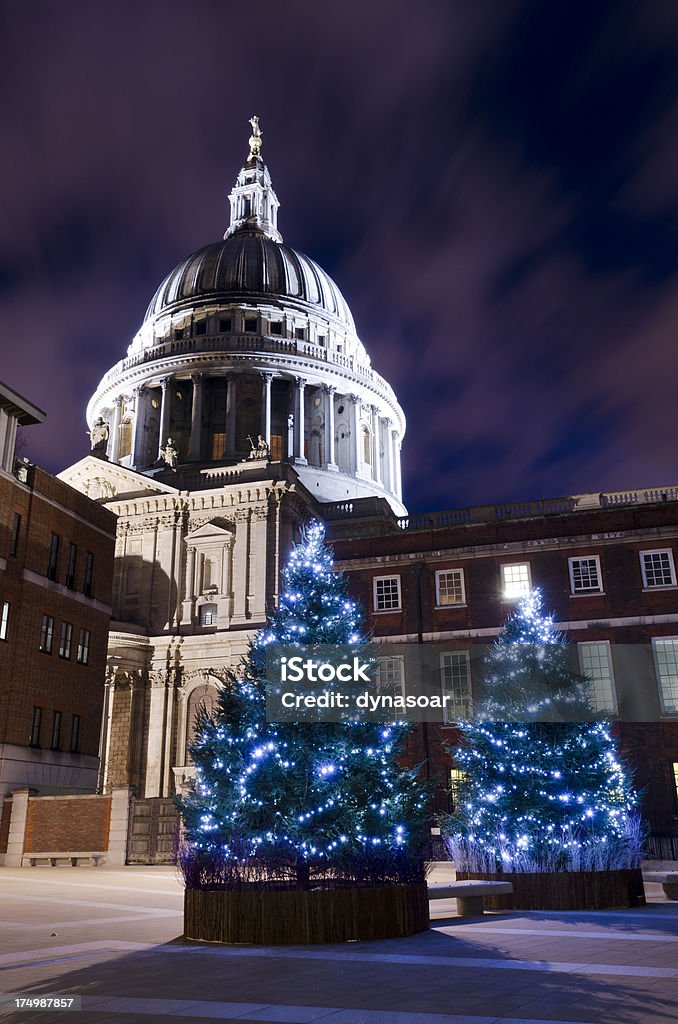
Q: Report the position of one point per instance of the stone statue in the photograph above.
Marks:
(169, 454)
(98, 436)
(260, 450)
(255, 139)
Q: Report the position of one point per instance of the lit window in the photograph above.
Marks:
(455, 681)
(208, 614)
(450, 587)
(515, 580)
(657, 569)
(35, 727)
(4, 620)
(666, 661)
(70, 567)
(75, 734)
(56, 730)
(46, 634)
(89, 573)
(53, 557)
(65, 638)
(457, 780)
(595, 662)
(251, 324)
(82, 653)
(585, 575)
(386, 593)
(391, 676)
(14, 540)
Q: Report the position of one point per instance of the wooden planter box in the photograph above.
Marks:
(293, 916)
(565, 890)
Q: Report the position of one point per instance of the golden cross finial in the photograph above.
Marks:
(255, 139)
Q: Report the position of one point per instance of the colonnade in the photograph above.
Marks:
(373, 451)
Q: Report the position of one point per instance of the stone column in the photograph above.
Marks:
(117, 832)
(189, 589)
(230, 414)
(164, 412)
(330, 458)
(376, 455)
(17, 828)
(388, 452)
(115, 429)
(357, 438)
(156, 736)
(396, 464)
(266, 408)
(195, 450)
(240, 580)
(139, 425)
(299, 428)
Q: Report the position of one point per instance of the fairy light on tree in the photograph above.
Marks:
(301, 802)
(543, 787)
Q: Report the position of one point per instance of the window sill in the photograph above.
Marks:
(387, 611)
(588, 593)
(444, 607)
(665, 586)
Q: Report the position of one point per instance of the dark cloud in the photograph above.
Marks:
(492, 185)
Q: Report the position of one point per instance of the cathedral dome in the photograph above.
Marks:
(249, 266)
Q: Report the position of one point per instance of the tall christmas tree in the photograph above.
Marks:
(544, 788)
(300, 803)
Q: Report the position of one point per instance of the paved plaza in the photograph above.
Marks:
(112, 938)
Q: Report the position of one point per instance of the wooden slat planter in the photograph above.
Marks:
(293, 916)
(565, 890)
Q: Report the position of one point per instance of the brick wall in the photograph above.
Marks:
(77, 823)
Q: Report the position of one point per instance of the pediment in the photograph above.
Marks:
(214, 529)
(107, 481)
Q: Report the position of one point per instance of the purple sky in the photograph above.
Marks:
(493, 185)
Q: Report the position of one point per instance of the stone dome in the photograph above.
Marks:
(249, 266)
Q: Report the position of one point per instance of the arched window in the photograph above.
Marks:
(367, 446)
(203, 698)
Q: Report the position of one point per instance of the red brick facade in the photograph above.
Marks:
(67, 823)
(623, 610)
(65, 583)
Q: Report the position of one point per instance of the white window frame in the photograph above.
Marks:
(611, 707)
(4, 620)
(672, 569)
(389, 679)
(588, 590)
(450, 604)
(657, 643)
(203, 613)
(375, 602)
(512, 565)
(451, 714)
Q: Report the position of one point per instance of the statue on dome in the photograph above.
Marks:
(255, 139)
(98, 437)
(169, 454)
(260, 450)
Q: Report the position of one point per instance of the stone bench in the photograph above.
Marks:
(61, 859)
(670, 885)
(469, 894)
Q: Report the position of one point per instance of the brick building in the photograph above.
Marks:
(56, 563)
(606, 566)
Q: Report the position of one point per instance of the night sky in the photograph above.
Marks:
(493, 185)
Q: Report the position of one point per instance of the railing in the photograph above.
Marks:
(649, 497)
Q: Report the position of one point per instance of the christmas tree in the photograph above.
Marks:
(300, 803)
(543, 787)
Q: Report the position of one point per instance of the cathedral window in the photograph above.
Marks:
(276, 327)
(367, 446)
(251, 324)
(201, 327)
(300, 333)
(178, 333)
(224, 325)
(125, 442)
(208, 614)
